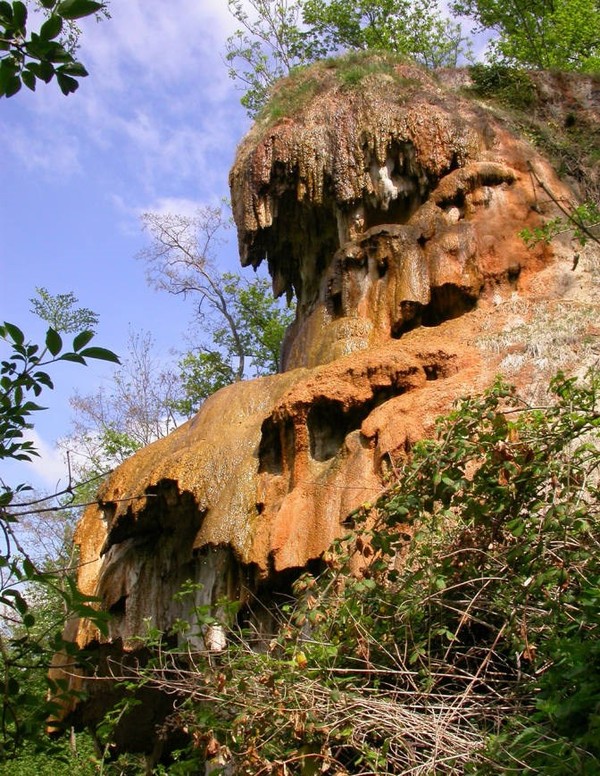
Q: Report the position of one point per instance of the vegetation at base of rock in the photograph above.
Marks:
(58, 760)
(455, 629)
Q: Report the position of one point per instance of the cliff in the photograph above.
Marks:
(388, 204)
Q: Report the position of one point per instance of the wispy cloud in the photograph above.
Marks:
(50, 467)
(158, 94)
(131, 212)
(46, 472)
(158, 44)
(38, 150)
(180, 205)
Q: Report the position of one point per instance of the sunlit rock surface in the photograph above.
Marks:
(389, 206)
(391, 212)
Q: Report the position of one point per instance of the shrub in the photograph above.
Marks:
(455, 629)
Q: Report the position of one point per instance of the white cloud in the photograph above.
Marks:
(46, 472)
(180, 205)
(158, 44)
(158, 95)
(38, 151)
(130, 223)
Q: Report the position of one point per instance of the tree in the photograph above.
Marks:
(542, 33)
(25, 579)
(269, 44)
(145, 399)
(414, 28)
(26, 56)
(135, 407)
(277, 36)
(61, 313)
(244, 324)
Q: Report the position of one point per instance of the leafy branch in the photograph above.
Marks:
(581, 221)
(27, 57)
(26, 641)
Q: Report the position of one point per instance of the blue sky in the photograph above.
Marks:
(153, 127)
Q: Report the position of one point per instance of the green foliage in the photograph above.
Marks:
(540, 34)
(22, 374)
(60, 312)
(202, 374)
(412, 28)
(28, 637)
(582, 223)
(28, 57)
(279, 36)
(262, 323)
(509, 85)
(254, 330)
(456, 629)
(269, 45)
(62, 758)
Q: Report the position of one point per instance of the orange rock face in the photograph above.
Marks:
(391, 212)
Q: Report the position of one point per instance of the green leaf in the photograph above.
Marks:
(13, 686)
(516, 526)
(20, 603)
(28, 567)
(28, 79)
(44, 71)
(19, 15)
(77, 9)
(53, 341)
(9, 84)
(74, 357)
(6, 13)
(100, 353)
(67, 84)
(15, 333)
(82, 339)
(51, 28)
(73, 68)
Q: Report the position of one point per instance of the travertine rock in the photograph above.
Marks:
(392, 212)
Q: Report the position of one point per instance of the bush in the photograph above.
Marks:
(455, 629)
(509, 85)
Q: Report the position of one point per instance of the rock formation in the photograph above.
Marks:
(390, 210)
